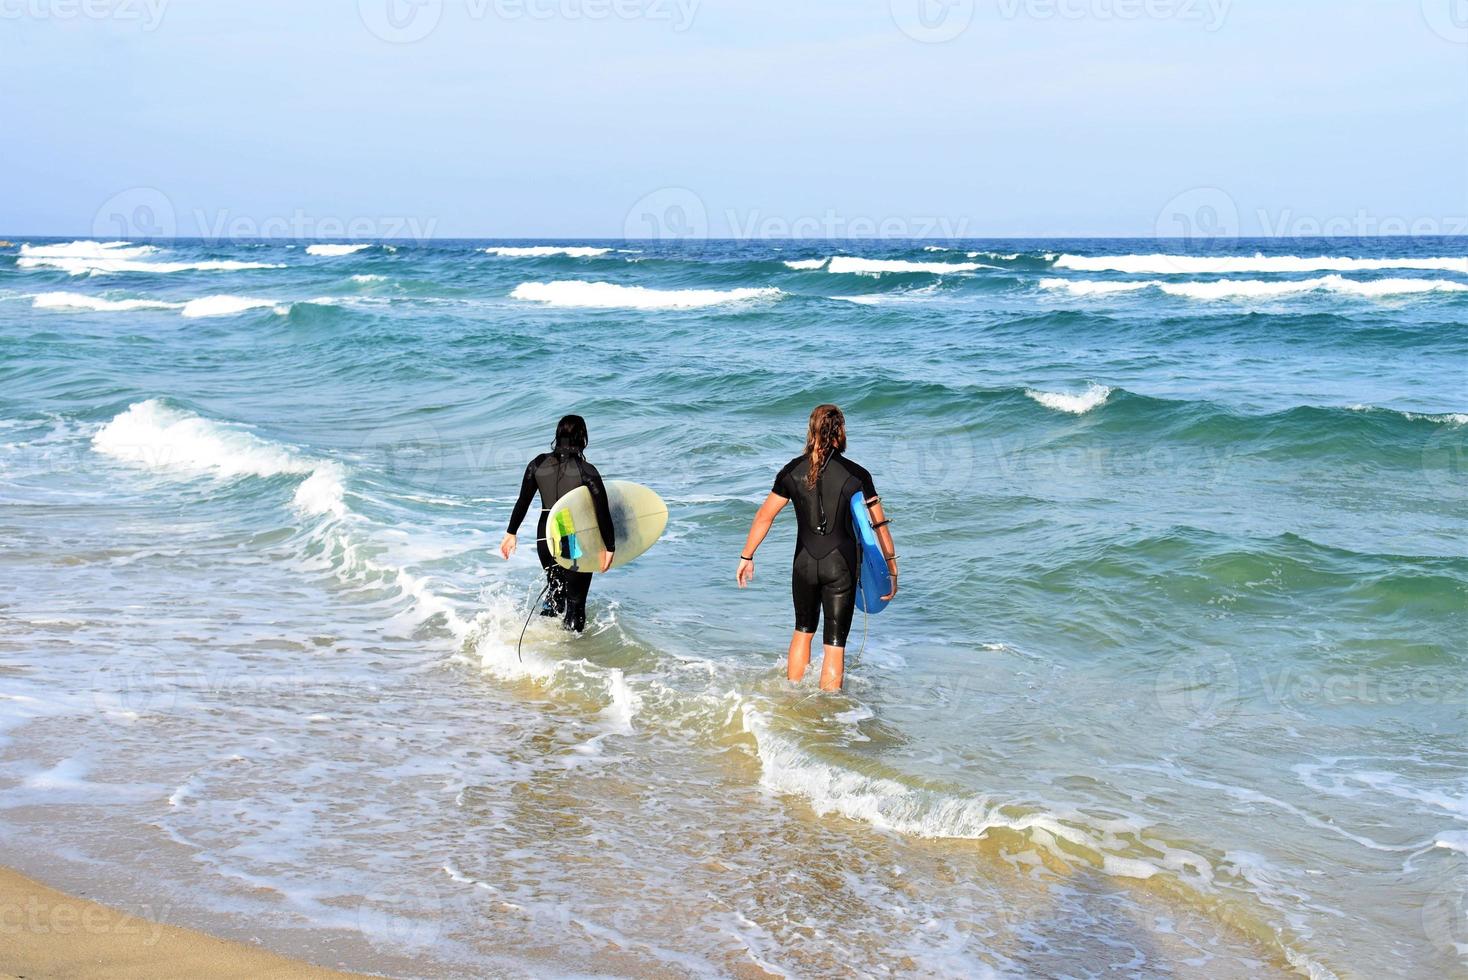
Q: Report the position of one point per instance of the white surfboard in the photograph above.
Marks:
(574, 536)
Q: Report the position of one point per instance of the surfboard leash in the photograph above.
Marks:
(521, 642)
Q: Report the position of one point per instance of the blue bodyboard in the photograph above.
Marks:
(876, 581)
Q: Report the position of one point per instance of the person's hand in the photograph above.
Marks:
(745, 574)
(507, 546)
(606, 559)
(889, 595)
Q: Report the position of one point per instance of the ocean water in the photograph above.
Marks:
(1175, 684)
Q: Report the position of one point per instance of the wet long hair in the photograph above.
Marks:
(571, 435)
(825, 438)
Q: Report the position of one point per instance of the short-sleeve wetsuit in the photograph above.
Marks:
(825, 572)
(553, 475)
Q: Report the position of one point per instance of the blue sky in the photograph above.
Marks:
(581, 118)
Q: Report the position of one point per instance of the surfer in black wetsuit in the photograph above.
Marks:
(821, 481)
(554, 474)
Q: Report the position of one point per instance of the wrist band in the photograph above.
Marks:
(746, 557)
(880, 524)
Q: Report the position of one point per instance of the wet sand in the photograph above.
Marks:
(45, 933)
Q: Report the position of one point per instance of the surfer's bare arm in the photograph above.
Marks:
(763, 518)
(884, 538)
(522, 507)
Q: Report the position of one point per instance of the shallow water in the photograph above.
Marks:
(1174, 685)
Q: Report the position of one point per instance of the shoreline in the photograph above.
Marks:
(49, 933)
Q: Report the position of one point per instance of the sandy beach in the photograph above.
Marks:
(46, 933)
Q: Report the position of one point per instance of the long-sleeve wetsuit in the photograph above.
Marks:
(553, 475)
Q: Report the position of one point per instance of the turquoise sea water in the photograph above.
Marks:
(1174, 686)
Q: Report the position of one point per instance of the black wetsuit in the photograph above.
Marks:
(555, 474)
(826, 552)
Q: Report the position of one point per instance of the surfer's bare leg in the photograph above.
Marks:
(833, 667)
(799, 655)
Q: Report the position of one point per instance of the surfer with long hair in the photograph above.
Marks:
(553, 475)
(821, 482)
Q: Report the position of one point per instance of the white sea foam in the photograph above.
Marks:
(624, 702)
(225, 305)
(78, 301)
(1251, 289)
(804, 265)
(1339, 777)
(876, 267)
(1094, 396)
(169, 441)
(1447, 418)
(882, 299)
(1225, 264)
(88, 250)
(1224, 289)
(332, 251)
(67, 781)
(368, 277)
(888, 804)
(109, 265)
(1088, 287)
(1002, 256)
(543, 251)
(606, 295)
(206, 306)
(163, 438)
